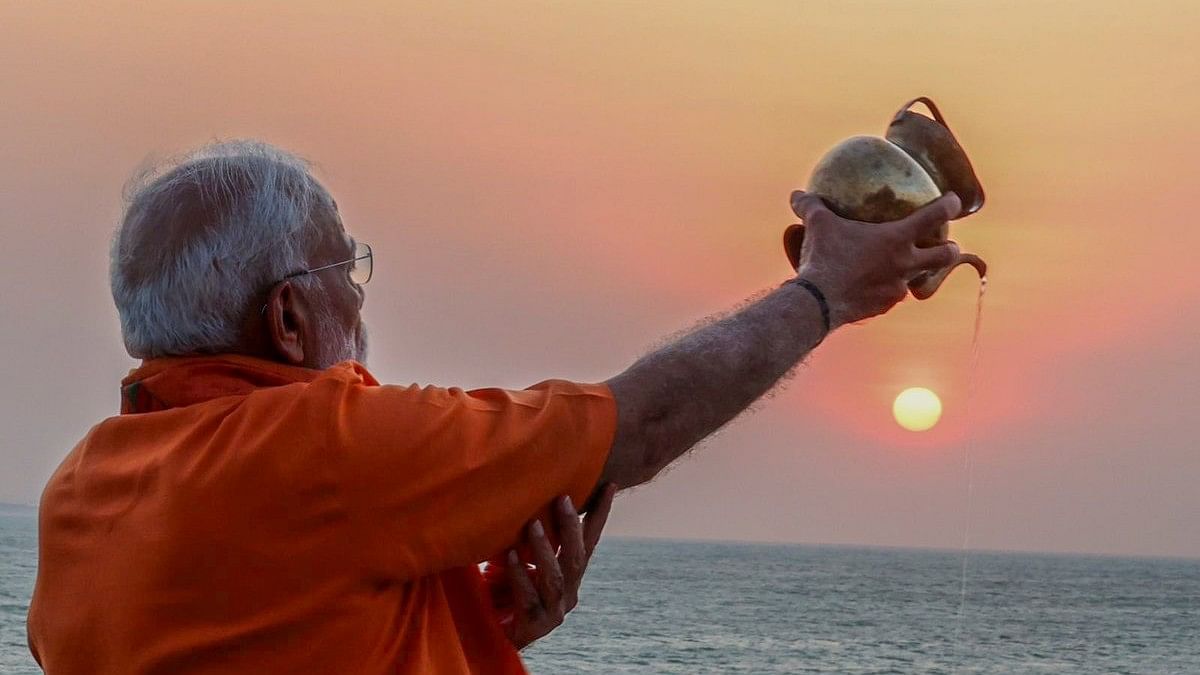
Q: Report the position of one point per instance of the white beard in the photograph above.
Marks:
(338, 345)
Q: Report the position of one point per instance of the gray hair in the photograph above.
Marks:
(203, 235)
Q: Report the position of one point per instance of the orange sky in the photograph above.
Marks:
(551, 188)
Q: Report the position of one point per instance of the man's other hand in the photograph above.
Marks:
(864, 268)
(546, 587)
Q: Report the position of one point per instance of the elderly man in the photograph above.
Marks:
(263, 505)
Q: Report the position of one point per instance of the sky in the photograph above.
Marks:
(554, 188)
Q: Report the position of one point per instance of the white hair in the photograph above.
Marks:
(202, 236)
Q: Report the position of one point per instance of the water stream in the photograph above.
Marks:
(968, 462)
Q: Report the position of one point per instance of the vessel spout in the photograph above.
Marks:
(926, 285)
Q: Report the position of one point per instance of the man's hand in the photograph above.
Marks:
(543, 595)
(864, 268)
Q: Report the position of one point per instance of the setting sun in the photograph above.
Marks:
(917, 409)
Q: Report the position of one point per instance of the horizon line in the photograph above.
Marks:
(893, 547)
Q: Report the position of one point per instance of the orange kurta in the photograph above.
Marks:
(270, 519)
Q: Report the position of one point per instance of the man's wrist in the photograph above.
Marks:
(835, 297)
(810, 294)
(822, 302)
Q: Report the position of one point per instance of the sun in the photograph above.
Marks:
(917, 409)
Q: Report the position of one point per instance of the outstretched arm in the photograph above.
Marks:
(674, 397)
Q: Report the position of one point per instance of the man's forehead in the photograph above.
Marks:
(340, 235)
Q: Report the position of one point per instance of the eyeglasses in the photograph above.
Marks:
(360, 268)
(360, 265)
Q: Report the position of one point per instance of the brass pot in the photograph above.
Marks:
(877, 180)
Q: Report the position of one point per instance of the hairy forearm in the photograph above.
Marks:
(674, 397)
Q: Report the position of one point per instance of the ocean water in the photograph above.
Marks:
(18, 566)
(650, 606)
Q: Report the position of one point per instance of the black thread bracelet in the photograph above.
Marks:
(820, 297)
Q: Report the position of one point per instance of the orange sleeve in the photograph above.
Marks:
(441, 478)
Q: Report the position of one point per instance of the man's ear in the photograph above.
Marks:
(288, 322)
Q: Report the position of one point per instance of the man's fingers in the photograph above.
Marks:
(809, 208)
(572, 556)
(549, 577)
(929, 218)
(935, 257)
(525, 596)
(593, 522)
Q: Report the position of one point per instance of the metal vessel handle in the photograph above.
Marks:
(937, 114)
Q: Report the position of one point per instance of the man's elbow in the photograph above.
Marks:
(642, 445)
(635, 459)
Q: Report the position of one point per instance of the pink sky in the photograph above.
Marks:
(552, 188)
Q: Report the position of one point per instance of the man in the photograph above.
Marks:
(262, 504)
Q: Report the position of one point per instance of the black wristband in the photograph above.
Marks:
(821, 301)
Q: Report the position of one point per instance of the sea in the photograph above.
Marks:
(657, 606)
